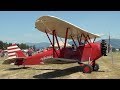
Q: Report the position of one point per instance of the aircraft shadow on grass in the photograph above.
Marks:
(18, 68)
(29, 68)
(59, 73)
(55, 73)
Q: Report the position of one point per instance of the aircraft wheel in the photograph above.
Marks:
(87, 68)
(96, 67)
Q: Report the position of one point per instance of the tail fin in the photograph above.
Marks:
(14, 52)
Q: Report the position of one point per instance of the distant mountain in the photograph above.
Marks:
(39, 45)
(114, 42)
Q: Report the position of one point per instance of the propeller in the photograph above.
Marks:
(106, 48)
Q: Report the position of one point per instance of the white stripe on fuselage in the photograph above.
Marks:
(10, 47)
(13, 50)
(11, 57)
(11, 54)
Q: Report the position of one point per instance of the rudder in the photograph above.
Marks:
(14, 52)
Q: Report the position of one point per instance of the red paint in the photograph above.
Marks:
(86, 69)
(38, 58)
(94, 52)
(82, 53)
(19, 61)
(20, 54)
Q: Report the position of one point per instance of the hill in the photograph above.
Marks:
(114, 42)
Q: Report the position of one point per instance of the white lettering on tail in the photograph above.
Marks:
(46, 57)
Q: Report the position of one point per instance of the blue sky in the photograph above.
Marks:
(19, 26)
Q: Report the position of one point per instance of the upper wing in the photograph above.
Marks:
(50, 23)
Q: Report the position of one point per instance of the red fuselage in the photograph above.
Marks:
(91, 51)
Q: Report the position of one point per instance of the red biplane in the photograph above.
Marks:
(87, 50)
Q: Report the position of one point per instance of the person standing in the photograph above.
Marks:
(30, 51)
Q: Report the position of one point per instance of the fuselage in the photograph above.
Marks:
(91, 51)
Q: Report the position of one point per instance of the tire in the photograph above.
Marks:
(87, 68)
(96, 67)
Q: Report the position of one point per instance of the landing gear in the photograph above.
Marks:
(95, 67)
(87, 68)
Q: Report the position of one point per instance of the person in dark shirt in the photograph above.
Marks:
(30, 51)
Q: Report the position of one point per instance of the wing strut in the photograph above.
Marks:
(53, 44)
(54, 51)
(94, 39)
(57, 41)
(74, 41)
(66, 38)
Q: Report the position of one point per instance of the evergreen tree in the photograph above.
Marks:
(4, 45)
(1, 45)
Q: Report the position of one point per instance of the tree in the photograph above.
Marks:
(4, 45)
(27, 47)
(9, 44)
(23, 46)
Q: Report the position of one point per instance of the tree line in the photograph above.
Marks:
(4, 45)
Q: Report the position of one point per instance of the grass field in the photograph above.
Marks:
(108, 70)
